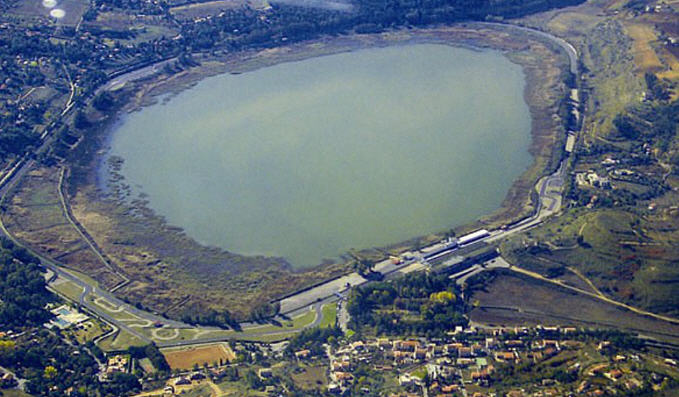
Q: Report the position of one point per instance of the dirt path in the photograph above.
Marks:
(595, 295)
(66, 208)
(586, 280)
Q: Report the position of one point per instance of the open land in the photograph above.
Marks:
(516, 300)
(621, 238)
(187, 358)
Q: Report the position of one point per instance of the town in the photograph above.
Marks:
(540, 361)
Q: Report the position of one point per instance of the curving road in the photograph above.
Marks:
(571, 52)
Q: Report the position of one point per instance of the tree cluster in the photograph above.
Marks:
(52, 367)
(22, 289)
(416, 304)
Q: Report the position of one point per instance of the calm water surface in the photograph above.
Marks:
(306, 160)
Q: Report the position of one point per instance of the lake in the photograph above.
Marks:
(308, 159)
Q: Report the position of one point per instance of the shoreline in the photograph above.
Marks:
(163, 88)
(515, 204)
(386, 227)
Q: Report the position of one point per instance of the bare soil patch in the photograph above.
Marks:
(187, 358)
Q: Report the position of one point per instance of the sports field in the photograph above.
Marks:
(187, 358)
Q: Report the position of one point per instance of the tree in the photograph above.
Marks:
(363, 266)
(50, 372)
(81, 122)
(103, 102)
(625, 126)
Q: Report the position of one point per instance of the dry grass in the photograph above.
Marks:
(310, 378)
(512, 300)
(198, 10)
(187, 358)
(645, 56)
(573, 23)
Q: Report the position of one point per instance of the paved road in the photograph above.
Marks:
(333, 5)
(566, 46)
(133, 75)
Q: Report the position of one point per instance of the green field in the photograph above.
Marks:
(87, 331)
(68, 289)
(120, 341)
(329, 312)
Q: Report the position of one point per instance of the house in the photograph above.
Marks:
(434, 350)
(117, 363)
(342, 378)
(514, 343)
(406, 346)
(357, 346)
(613, 374)
(182, 381)
(401, 357)
(464, 352)
(265, 373)
(450, 389)
(546, 343)
(302, 354)
(451, 348)
(407, 380)
(344, 365)
(504, 356)
(420, 354)
(603, 345)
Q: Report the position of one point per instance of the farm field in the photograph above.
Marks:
(187, 358)
(513, 300)
(645, 56)
(628, 257)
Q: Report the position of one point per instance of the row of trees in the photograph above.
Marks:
(154, 355)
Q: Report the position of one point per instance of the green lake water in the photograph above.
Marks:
(308, 159)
